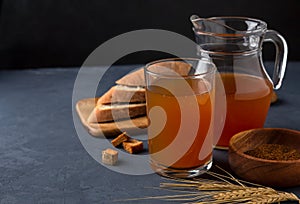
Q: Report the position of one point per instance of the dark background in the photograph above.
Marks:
(62, 33)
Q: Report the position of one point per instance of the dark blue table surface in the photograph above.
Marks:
(43, 161)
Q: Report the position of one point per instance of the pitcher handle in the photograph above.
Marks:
(281, 56)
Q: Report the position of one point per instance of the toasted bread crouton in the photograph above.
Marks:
(121, 138)
(133, 146)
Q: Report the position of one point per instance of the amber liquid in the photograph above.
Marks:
(157, 96)
(248, 101)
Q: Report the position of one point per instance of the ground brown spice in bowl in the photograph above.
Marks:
(274, 152)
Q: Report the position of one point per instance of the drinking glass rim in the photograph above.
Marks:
(211, 70)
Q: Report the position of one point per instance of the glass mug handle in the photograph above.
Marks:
(281, 56)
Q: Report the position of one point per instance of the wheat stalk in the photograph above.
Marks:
(224, 192)
(227, 190)
(275, 198)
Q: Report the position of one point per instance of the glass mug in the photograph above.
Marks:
(180, 103)
(235, 46)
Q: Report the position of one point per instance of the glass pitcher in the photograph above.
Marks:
(235, 46)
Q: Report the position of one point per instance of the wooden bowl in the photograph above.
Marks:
(275, 173)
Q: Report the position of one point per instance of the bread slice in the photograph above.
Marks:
(135, 78)
(123, 94)
(115, 112)
(135, 126)
(171, 67)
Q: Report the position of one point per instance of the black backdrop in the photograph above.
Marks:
(62, 33)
